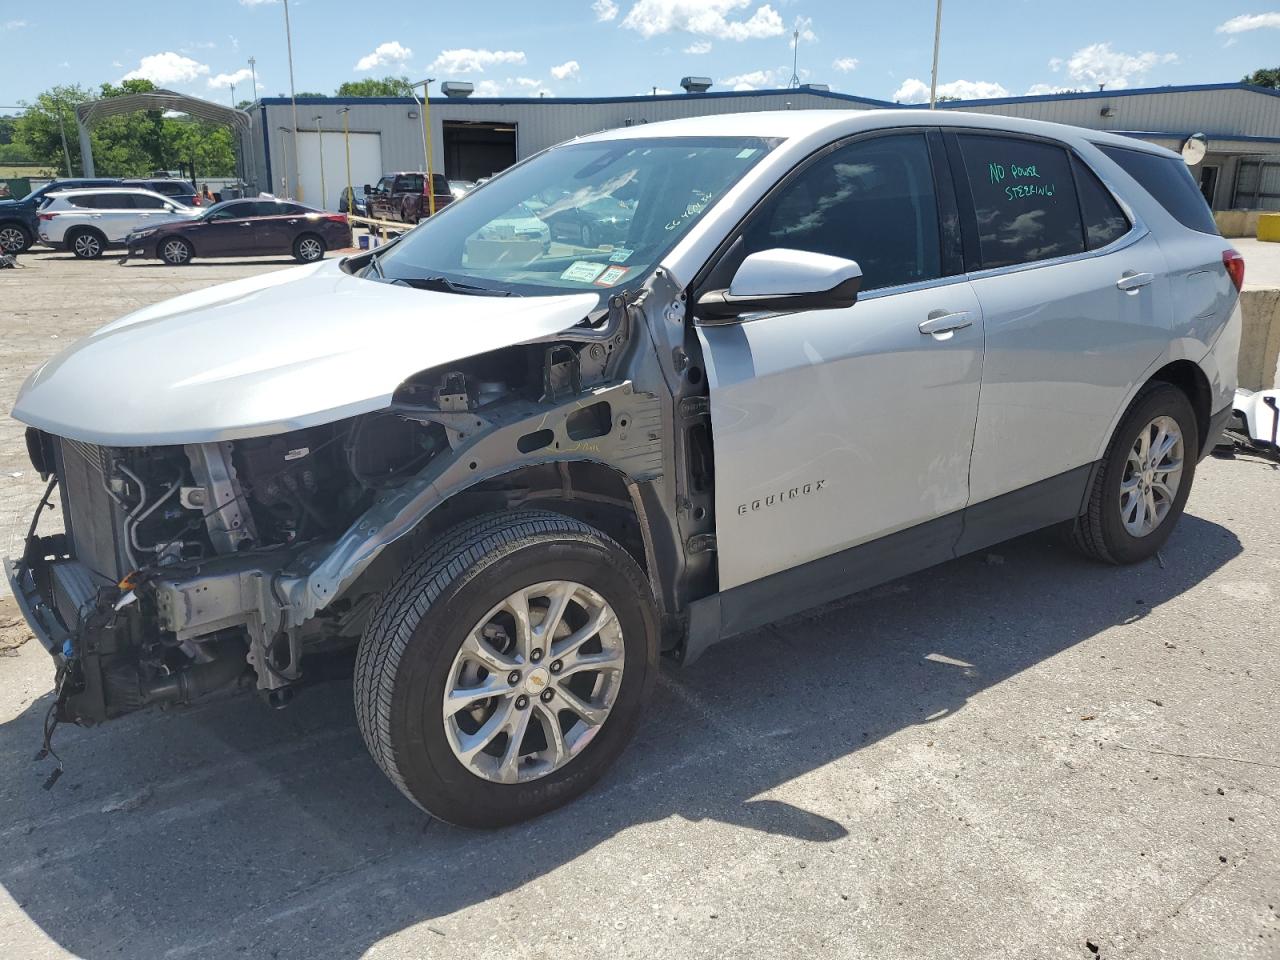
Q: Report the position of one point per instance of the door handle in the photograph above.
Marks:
(941, 321)
(1133, 281)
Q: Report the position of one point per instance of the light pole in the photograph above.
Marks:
(288, 39)
(253, 72)
(346, 136)
(323, 189)
(937, 38)
(284, 159)
(426, 139)
(233, 93)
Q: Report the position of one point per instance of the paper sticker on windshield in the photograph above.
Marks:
(748, 152)
(620, 255)
(611, 275)
(584, 271)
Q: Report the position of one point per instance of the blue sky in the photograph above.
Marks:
(628, 47)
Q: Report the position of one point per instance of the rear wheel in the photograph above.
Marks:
(13, 238)
(507, 667)
(308, 248)
(87, 244)
(1144, 480)
(176, 251)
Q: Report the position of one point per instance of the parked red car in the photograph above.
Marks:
(403, 196)
(245, 228)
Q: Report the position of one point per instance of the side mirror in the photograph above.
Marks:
(367, 189)
(782, 281)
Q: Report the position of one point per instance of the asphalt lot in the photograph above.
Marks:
(1019, 754)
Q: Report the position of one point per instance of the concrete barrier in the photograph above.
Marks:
(1269, 227)
(1260, 340)
(1237, 223)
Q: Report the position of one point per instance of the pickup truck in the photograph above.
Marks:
(403, 196)
(18, 224)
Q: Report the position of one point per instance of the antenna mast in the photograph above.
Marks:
(795, 58)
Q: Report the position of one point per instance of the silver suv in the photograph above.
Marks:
(817, 351)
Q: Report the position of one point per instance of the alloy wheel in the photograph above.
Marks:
(533, 682)
(309, 249)
(12, 240)
(1152, 475)
(175, 251)
(87, 245)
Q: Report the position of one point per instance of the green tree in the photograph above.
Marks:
(1264, 77)
(373, 87)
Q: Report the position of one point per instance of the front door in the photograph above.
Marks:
(834, 428)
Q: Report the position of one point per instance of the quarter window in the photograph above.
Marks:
(144, 202)
(1104, 221)
(871, 201)
(1168, 180)
(1024, 200)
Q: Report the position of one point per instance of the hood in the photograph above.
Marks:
(269, 354)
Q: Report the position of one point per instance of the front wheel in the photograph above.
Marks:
(507, 667)
(1142, 485)
(176, 251)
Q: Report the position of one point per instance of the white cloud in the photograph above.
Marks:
(465, 60)
(166, 69)
(698, 47)
(570, 68)
(804, 27)
(521, 86)
(605, 10)
(224, 80)
(756, 79)
(256, 3)
(389, 54)
(709, 18)
(1250, 21)
(846, 64)
(527, 82)
(15, 24)
(1098, 64)
(917, 91)
(1043, 89)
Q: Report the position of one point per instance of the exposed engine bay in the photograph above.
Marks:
(186, 569)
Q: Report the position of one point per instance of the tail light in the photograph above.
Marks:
(1235, 267)
(46, 216)
(337, 217)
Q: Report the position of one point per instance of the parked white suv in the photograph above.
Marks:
(89, 221)
(826, 349)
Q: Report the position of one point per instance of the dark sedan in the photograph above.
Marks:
(590, 224)
(246, 228)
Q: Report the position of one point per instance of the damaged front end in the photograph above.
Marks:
(183, 569)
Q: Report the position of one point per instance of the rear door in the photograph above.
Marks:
(834, 428)
(1074, 299)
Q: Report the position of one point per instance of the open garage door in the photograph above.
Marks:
(366, 165)
(473, 150)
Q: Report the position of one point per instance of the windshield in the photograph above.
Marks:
(579, 217)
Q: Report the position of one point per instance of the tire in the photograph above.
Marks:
(87, 244)
(409, 658)
(409, 212)
(1106, 531)
(175, 251)
(308, 248)
(14, 238)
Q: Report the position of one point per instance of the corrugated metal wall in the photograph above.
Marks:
(1237, 112)
(538, 124)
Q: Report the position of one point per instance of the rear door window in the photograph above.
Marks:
(872, 201)
(143, 202)
(1170, 182)
(1104, 221)
(1024, 199)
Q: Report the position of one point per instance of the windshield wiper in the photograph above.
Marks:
(373, 262)
(451, 286)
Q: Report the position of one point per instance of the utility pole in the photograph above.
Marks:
(284, 158)
(346, 136)
(323, 189)
(233, 94)
(288, 38)
(426, 140)
(937, 38)
(253, 72)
